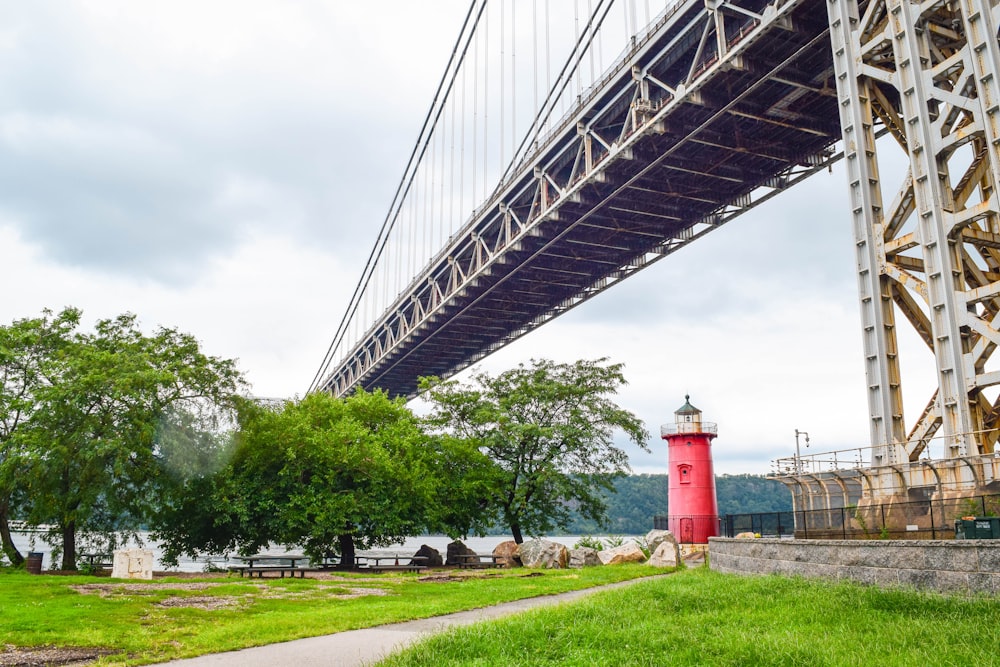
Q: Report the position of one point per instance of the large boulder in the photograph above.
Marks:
(506, 553)
(583, 557)
(655, 538)
(667, 554)
(544, 554)
(626, 553)
(428, 556)
(455, 550)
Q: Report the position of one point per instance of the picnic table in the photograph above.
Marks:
(374, 563)
(480, 561)
(259, 564)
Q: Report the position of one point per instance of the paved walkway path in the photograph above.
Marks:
(355, 648)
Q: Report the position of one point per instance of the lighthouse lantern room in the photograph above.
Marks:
(692, 508)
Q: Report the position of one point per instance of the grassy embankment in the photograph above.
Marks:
(171, 618)
(699, 617)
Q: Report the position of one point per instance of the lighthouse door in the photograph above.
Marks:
(687, 530)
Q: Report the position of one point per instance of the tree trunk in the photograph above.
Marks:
(515, 529)
(6, 541)
(346, 550)
(69, 546)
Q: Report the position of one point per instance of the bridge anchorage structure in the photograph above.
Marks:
(927, 75)
(711, 109)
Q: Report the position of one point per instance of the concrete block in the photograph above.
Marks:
(988, 556)
(132, 564)
(986, 583)
(957, 557)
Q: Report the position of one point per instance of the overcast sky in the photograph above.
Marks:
(223, 167)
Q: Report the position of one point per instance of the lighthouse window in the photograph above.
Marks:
(685, 471)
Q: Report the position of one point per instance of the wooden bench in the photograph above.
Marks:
(480, 562)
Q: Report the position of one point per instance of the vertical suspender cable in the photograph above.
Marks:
(466, 33)
(486, 102)
(557, 94)
(534, 52)
(513, 80)
(503, 83)
(461, 150)
(475, 125)
(548, 51)
(593, 73)
(576, 29)
(451, 175)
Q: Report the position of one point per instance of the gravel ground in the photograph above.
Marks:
(12, 656)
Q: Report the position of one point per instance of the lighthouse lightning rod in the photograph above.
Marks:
(798, 454)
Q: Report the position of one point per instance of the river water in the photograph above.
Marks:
(26, 542)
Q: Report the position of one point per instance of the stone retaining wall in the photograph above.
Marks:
(967, 566)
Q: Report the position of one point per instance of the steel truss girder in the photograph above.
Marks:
(928, 73)
(679, 94)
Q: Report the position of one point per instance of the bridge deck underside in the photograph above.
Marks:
(745, 127)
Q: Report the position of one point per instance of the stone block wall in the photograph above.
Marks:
(951, 566)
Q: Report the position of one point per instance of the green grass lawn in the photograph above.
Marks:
(171, 618)
(700, 617)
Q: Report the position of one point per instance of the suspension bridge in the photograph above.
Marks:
(565, 151)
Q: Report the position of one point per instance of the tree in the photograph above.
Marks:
(549, 431)
(90, 452)
(29, 361)
(328, 475)
(196, 448)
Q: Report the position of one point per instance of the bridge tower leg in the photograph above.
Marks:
(924, 77)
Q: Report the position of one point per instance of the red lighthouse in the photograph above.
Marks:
(692, 509)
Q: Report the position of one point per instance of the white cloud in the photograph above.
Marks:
(271, 303)
(223, 167)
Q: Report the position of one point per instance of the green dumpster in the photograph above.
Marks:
(978, 528)
(986, 528)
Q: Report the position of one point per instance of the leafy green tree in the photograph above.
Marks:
(549, 429)
(328, 475)
(196, 447)
(30, 350)
(463, 501)
(90, 452)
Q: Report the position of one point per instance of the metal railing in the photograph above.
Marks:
(689, 427)
(859, 457)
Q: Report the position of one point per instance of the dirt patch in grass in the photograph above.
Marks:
(213, 602)
(104, 590)
(440, 578)
(14, 656)
(207, 602)
(459, 575)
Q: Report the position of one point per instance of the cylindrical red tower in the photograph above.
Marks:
(692, 509)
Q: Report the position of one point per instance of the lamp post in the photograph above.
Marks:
(798, 453)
